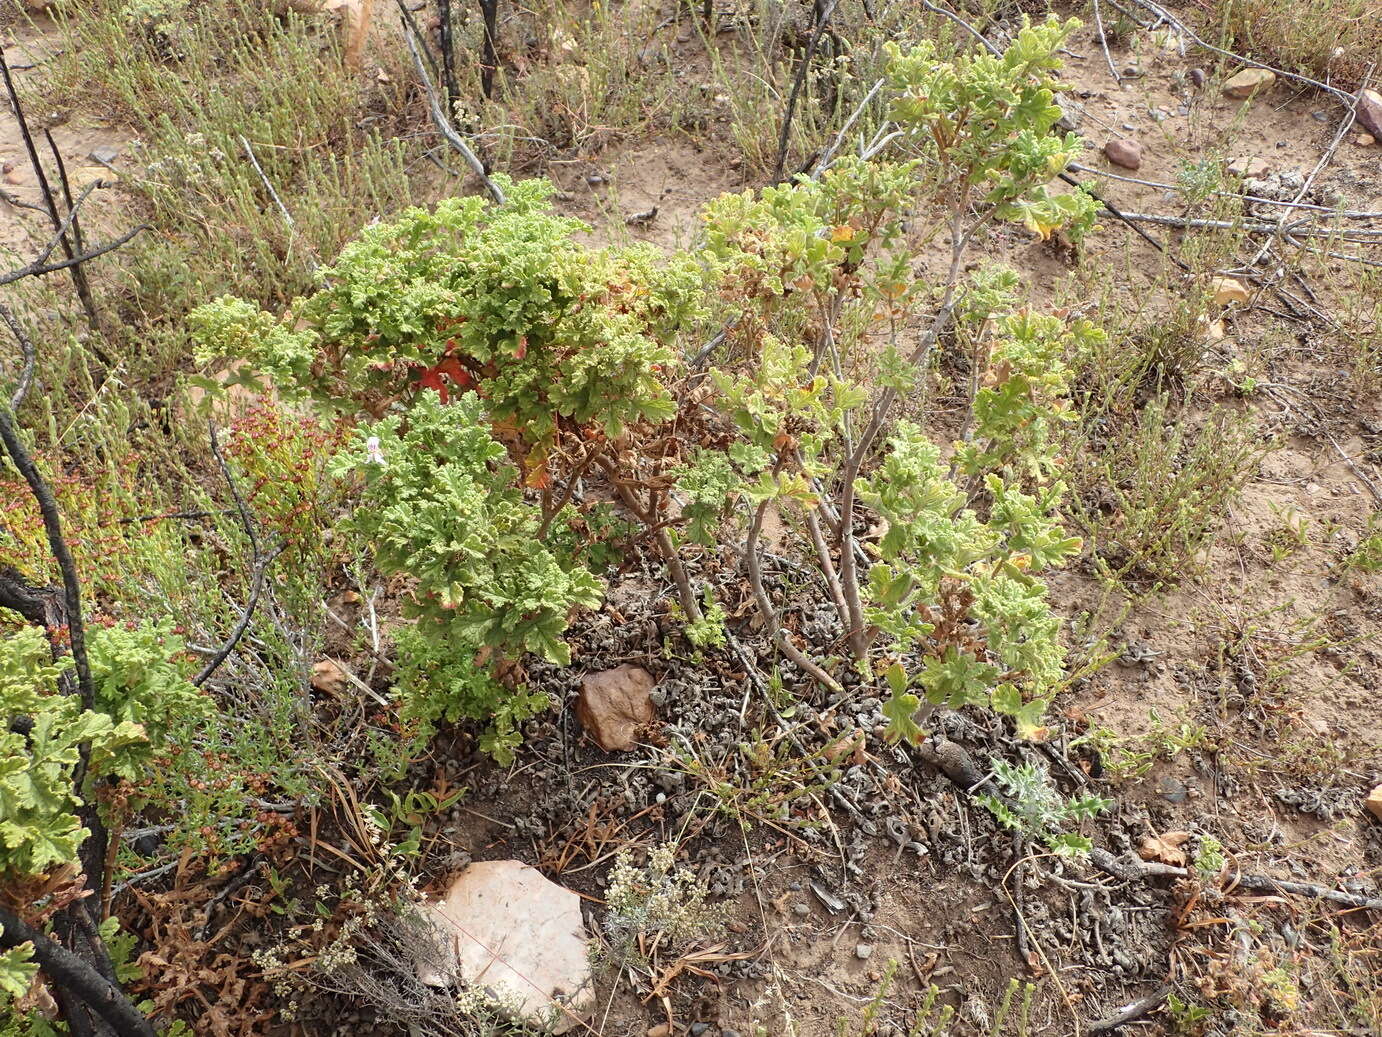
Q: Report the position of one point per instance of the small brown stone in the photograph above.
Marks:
(329, 678)
(614, 704)
(1368, 112)
(1365, 140)
(1125, 153)
(1248, 82)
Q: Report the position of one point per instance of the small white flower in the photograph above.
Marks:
(374, 455)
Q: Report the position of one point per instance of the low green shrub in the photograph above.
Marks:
(502, 361)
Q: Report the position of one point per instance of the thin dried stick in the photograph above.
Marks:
(1319, 166)
(1349, 214)
(1103, 42)
(77, 977)
(27, 354)
(1296, 228)
(952, 16)
(754, 572)
(78, 278)
(823, 14)
(443, 123)
(282, 209)
(1132, 1011)
(1180, 26)
(260, 564)
(38, 269)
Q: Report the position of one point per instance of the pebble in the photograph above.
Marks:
(660, 1030)
(729, 1033)
(1172, 791)
(1365, 140)
(1249, 167)
(1249, 82)
(863, 951)
(616, 705)
(802, 909)
(104, 155)
(1197, 77)
(1071, 114)
(14, 177)
(1373, 804)
(698, 1028)
(1125, 153)
(1368, 112)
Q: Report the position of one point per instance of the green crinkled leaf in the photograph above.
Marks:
(17, 971)
(900, 710)
(958, 679)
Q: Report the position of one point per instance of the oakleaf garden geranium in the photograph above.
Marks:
(502, 367)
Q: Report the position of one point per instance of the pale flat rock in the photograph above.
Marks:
(1245, 166)
(505, 928)
(329, 678)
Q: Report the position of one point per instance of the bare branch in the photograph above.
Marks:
(1103, 42)
(260, 562)
(27, 352)
(38, 269)
(77, 977)
(952, 16)
(283, 209)
(1132, 1011)
(1342, 96)
(753, 570)
(822, 11)
(57, 543)
(443, 123)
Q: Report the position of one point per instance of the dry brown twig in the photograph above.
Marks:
(442, 120)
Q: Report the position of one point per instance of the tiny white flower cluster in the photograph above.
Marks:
(384, 892)
(482, 1002)
(657, 899)
(192, 165)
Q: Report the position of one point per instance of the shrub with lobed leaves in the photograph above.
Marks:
(558, 336)
(504, 361)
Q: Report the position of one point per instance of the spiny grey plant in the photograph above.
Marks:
(1037, 810)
